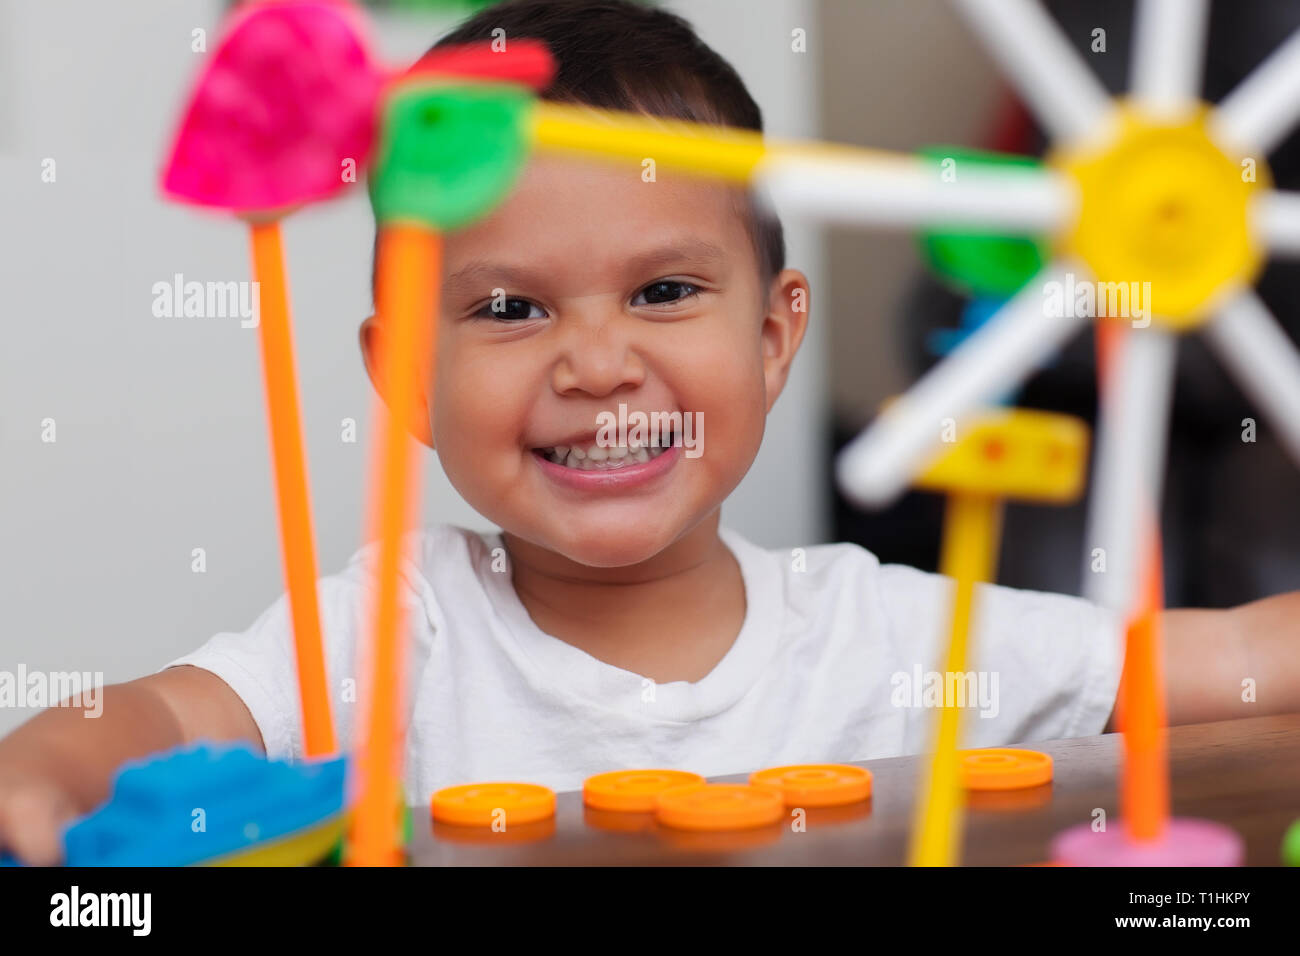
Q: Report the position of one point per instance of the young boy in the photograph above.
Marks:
(613, 623)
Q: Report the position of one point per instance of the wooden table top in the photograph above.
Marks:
(1243, 773)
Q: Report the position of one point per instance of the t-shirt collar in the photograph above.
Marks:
(571, 670)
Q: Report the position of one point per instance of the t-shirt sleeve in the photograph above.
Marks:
(1042, 666)
(260, 665)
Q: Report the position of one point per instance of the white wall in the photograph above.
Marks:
(161, 440)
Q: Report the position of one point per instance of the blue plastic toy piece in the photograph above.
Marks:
(977, 311)
(204, 803)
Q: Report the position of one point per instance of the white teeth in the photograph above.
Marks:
(594, 457)
(602, 459)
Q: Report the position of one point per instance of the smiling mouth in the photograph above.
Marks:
(593, 457)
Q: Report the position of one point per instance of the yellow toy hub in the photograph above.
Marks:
(1013, 453)
(1161, 203)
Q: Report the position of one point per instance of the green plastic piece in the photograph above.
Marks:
(982, 263)
(335, 857)
(449, 152)
(1291, 845)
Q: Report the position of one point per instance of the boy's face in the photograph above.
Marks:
(608, 290)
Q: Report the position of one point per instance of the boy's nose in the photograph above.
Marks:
(597, 356)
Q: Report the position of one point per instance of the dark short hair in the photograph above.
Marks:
(617, 54)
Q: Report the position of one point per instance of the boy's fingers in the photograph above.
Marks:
(32, 819)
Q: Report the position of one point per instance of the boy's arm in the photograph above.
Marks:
(1209, 653)
(61, 763)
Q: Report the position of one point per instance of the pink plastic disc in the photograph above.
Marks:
(286, 100)
(1186, 842)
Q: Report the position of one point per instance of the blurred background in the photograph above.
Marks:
(161, 445)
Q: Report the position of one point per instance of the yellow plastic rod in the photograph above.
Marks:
(972, 527)
(297, 543)
(408, 282)
(729, 154)
(721, 152)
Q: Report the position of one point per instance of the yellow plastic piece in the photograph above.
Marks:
(724, 153)
(1162, 203)
(699, 148)
(297, 849)
(1014, 453)
(971, 531)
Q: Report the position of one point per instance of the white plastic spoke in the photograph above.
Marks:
(1168, 50)
(1276, 216)
(1263, 360)
(1066, 97)
(1129, 464)
(1260, 112)
(880, 462)
(910, 192)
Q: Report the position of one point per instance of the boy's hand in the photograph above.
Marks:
(60, 765)
(34, 811)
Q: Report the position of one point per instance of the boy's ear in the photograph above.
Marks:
(784, 326)
(369, 335)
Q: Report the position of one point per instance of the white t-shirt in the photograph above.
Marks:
(832, 664)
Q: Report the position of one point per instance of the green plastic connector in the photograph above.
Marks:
(982, 263)
(449, 152)
(335, 857)
(1291, 845)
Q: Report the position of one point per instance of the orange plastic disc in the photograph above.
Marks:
(478, 804)
(719, 806)
(633, 791)
(816, 784)
(1004, 768)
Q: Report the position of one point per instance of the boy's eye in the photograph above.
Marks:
(665, 291)
(510, 310)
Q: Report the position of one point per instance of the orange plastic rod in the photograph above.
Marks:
(1144, 781)
(297, 543)
(1144, 793)
(408, 282)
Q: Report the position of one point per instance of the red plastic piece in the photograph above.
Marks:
(527, 62)
(288, 96)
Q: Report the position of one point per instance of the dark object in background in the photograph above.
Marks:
(1231, 518)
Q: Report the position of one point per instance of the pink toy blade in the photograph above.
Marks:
(528, 62)
(284, 103)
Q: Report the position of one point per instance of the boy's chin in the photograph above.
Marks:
(611, 550)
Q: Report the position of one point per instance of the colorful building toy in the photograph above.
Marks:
(211, 805)
(1154, 190)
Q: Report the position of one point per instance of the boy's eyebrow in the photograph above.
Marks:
(693, 251)
(484, 273)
